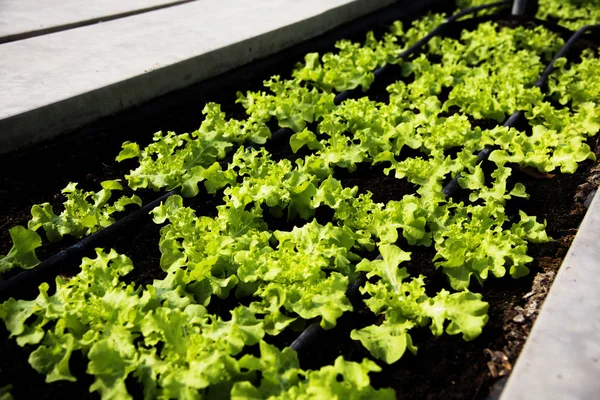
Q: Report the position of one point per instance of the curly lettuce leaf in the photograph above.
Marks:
(22, 252)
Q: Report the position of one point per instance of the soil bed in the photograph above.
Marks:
(444, 368)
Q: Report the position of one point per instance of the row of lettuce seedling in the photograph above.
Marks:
(163, 335)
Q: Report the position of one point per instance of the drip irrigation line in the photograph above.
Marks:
(311, 334)
(519, 7)
(11, 287)
(281, 133)
(525, 8)
(565, 49)
(307, 337)
(453, 18)
(512, 121)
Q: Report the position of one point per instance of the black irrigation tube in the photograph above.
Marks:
(11, 285)
(311, 333)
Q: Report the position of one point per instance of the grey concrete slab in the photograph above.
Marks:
(57, 82)
(26, 18)
(561, 358)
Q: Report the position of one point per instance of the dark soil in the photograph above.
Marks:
(444, 368)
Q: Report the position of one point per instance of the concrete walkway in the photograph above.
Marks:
(21, 19)
(57, 82)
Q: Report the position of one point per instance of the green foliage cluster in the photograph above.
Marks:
(5, 393)
(572, 14)
(405, 305)
(84, 213)
(182, 161)
(173, 347)
(163, 336)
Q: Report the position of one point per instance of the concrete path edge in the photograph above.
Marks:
(561, 358)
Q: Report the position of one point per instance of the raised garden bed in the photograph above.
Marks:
(444, 367)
